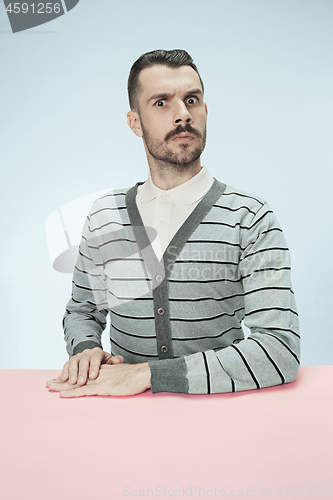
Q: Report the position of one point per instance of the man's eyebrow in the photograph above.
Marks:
(162, 95)
(165, 95)
(195, 91)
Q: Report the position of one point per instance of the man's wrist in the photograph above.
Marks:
(145, 373)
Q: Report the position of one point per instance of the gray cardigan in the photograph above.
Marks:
(228, 262)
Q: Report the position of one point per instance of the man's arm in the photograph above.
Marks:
(86, 311)
(88, 367)
(85, 318)
(270, 355)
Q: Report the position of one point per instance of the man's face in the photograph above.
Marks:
(172, 114)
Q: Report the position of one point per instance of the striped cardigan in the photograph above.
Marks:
(228, 262)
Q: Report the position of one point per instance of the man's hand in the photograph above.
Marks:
(122, 379)
(89, 361)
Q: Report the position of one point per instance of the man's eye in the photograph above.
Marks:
(192, 100)
(160, 103)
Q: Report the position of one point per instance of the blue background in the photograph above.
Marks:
(267, 70)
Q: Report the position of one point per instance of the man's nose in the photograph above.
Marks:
(182, 114)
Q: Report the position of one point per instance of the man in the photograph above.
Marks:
(178, 261)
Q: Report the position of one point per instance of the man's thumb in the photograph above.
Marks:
(117, 359)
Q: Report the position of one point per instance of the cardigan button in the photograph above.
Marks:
(160, 311)
(164, 348)
(159, 278)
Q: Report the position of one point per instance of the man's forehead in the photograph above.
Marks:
(160, 78)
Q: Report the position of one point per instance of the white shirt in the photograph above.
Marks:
(166, 210)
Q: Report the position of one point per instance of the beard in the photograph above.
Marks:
(160, 150)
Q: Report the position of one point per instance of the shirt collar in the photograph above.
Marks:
(187, 193)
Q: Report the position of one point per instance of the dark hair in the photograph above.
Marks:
(171, 58)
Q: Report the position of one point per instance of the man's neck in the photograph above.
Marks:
(168, 175)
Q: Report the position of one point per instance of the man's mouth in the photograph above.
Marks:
(185, 134)
(183, 137)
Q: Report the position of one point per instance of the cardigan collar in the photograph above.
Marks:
(179, 239)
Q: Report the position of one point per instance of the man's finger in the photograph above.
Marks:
(117, 359)
(58, 385)
(84, 364)
(64, 373)
(85, 390)
(73, 369)
(95, 363)
(53, 381)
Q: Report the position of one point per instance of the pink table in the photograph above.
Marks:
(262, 443)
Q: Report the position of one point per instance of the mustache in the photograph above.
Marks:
(182, 128)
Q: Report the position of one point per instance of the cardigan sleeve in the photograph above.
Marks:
(270, 355)
(86, 311)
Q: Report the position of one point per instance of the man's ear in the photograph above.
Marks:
(133, 121)
(206, 109)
